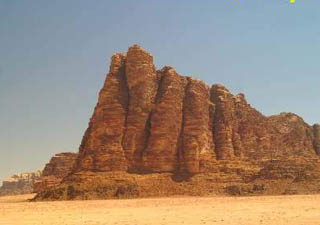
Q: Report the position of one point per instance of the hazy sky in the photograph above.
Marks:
(54, 56)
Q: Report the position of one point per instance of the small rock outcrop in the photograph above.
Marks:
(20, 183)
(155, 122)
(59, 167)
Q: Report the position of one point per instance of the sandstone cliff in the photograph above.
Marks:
(152, 121)
(20, 183)
(60, 166)
(159, 121)
(316, 141)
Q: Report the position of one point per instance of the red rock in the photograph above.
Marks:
(142, 83)
(166, 123)
(223, 119)
(159, 121)
(101, 148)
(60, 166)
(316, 141)
(197, 143)
(291, 136)
(149, 121)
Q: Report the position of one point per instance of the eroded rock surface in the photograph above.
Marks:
(161, 153)
(159, 121)
(143, 84)
(316, 141)
(60, 166)
(20, 183)
(101, 148)
(152, 121)
(197, 149)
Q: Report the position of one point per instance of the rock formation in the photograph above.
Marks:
(156, 121)
(20, 183)
(316, 141)
(59, 167)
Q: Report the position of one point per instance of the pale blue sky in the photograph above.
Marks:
(54, 56)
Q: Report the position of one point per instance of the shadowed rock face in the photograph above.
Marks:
(158, 121)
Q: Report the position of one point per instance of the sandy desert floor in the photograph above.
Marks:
(293, 210)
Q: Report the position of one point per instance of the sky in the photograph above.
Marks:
(54, 56)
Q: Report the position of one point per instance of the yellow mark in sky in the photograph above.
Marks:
(291, 1)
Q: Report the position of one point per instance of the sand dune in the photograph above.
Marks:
(293, 210)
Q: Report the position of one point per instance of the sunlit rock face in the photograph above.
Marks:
(149, 120)
(60, 166)
(156, 133)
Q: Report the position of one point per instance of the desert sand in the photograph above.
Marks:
(293, 210)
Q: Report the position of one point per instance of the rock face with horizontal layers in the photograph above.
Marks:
(157, 121)
(162, 149)
(102, 145)
(60, 166)
(196, 147)
(316, 142)
(20, 183)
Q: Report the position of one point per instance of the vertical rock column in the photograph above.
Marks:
(161, 154)
(101, 147)
(240, 115)
(197, 147)
(316, 142)
(143, 84)
(223, 132)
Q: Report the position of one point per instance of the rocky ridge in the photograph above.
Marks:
(20, 183)
(60, 166)
(156, 122)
